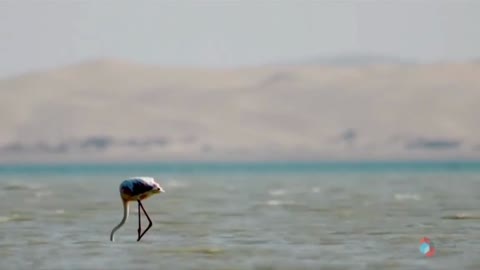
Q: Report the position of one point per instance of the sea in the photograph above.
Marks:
(229, 216)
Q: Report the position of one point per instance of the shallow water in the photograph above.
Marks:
(243, 220)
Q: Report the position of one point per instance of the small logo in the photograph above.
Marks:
(426, 247)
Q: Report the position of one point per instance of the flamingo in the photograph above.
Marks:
(136, 189)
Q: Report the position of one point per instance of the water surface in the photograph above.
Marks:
(243, 216)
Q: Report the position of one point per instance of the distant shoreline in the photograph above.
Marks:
(91, 113)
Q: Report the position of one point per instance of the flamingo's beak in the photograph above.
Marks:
(160, 189)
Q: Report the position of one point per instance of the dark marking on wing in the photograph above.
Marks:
(140, 187)
(126, 190)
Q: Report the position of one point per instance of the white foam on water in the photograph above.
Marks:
(273, 202)
(278, 202)
(463, 215)
(4, 219)
(407, 196)
(42, 193)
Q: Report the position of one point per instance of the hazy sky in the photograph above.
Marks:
(43, 34)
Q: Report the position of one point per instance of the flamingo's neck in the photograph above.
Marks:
(125, 216)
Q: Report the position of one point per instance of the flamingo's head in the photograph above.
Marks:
(157, 188)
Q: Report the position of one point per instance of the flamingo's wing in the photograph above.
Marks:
(136, 186)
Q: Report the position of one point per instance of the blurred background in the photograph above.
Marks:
(229, 80)
(286, 134)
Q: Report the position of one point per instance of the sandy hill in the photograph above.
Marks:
(109, 110)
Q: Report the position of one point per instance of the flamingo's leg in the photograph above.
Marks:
(149, 221)
(139, 222)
